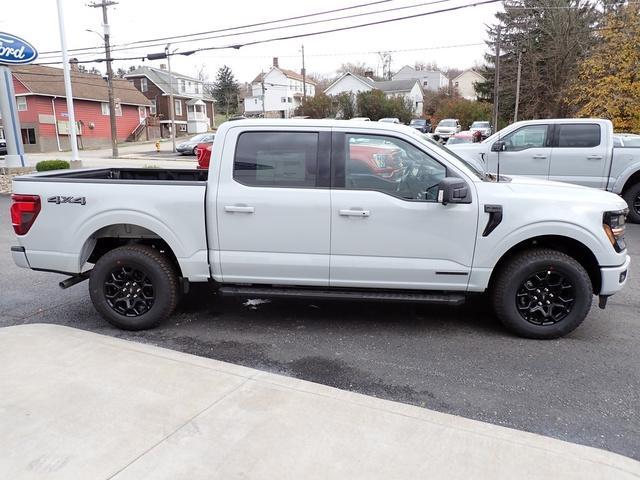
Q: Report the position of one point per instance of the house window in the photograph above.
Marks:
(425, 83)
(457, 84)
(197, 88)
(289, 99)
(22, 104)
(182, 86)
(178, 107)
(28, 136)
(283, 99)
(255, 101)
(105, 109)
(143, 85)
(182, 127)
(153, 109)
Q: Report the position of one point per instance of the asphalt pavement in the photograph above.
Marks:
(582, 388)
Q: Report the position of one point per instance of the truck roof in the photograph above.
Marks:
(326, 123)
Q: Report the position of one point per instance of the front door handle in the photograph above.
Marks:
(594, 157)
(539, 157)
(354, 213)
(238, 209)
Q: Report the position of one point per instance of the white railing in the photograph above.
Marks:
(197, 116)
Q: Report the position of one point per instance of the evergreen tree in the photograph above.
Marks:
(226, 90)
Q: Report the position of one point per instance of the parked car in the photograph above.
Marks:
(389, 120)
(421, 125)
(572, 150)
(447, 127)
(189, 147)
(483, 127)
(461, 137)
(3, 146)
(361, 119)
(280, 213)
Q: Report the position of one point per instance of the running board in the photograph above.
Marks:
(330, 294)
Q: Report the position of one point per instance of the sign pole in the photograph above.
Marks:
(75, 158)
(15, 149)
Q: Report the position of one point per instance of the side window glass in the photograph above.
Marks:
(582, 135)
(277, 159)
(392, 166)
(531, 136)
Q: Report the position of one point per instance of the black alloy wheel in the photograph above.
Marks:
(545, 298)
(129, 291)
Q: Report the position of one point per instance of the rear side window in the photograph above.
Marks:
(277, 159)
(584, 135)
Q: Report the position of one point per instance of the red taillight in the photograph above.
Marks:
(24, 210)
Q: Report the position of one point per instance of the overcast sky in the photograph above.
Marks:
(419, 39)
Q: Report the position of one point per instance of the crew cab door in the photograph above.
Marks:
(387, 228)
(525, 151)
(273, 210)
(579, 155)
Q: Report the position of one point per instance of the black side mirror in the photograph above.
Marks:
(498, 146)
(453, 190)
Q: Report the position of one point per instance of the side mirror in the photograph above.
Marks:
(453, 190)
(498, 146)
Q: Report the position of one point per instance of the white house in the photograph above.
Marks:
(409, 89)
(465, 84)
(280, 89)
(433, 80)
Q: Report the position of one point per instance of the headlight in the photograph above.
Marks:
(614, 226)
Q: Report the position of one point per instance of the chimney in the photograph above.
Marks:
(368, 74)
(73, 63)
(163, 66)
(275, 62)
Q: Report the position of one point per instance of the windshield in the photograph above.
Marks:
(480, 124)
(199, 138)
(417, 121)
(447, 123)
(437, 146)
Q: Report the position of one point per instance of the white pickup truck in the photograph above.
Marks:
(337, 209)
(579, 151)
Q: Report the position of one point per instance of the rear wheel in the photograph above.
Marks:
(542, 294)
(134, 287)
(632, 197)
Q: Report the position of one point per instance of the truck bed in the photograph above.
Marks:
(120, 175)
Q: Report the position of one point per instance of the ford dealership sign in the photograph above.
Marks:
(15, 51)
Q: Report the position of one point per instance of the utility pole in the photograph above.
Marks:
(264, 110)
(304, 79)
(68, 93)
(515, 113)
(496, 82)
(107, 49)
(172, 106)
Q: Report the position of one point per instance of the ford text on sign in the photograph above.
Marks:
(14, 50)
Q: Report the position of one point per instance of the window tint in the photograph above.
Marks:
(391, 166)
(531, 136)
(277, 159)
(582, 135)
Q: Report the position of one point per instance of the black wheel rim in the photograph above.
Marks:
(546, 297)
(636, 204)
(129, 291)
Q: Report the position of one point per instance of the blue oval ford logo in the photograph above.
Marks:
(14, 50)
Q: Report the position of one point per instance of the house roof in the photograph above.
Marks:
(395, 85)
(365, 80)
(43, 80)
(471, 70)
(287, 73)
(163, 81)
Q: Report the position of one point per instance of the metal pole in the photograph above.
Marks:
(304, 79)
(107, 49)
(515, 113)
(496, 82)
(73, 141)
(264, 110)
(9, 110)
(172, 106)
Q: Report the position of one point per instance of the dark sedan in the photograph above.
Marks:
(421, 124)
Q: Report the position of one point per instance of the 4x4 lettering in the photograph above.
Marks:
(58, 199)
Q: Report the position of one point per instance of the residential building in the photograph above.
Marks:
(432, 80)
(280, 89)
(44, 119)
(194, 109)
(465, 84)
(409, 89)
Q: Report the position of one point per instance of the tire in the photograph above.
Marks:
(194, 152)
(632, 197)
(522, 304)
(134, 287)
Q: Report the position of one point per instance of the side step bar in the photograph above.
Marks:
(351, 294)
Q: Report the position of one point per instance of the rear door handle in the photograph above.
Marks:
(354, 213)
(594, 157)
(539, 157)
(238, 209)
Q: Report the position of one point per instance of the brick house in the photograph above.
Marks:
(42, 107)
(194, 109)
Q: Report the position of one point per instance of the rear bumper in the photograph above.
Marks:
(614, 278)
(20, 257)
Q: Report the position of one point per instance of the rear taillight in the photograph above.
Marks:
(24, 211)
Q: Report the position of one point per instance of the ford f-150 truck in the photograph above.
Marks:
(282, 212)
(572, 150)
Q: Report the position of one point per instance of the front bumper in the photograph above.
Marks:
(614, 278)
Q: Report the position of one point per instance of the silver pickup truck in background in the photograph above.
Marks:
(580, 151)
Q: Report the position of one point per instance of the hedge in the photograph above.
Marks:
(46, 165)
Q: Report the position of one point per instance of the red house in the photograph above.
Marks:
(42, 106)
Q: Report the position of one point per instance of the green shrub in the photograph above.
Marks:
(46, 165)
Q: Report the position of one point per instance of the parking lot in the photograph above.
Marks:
(582, 388)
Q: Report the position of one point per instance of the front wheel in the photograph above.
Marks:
(542, 293)
(134, 287)
(632, 197)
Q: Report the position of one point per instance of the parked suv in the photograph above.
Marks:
(448, 127)
(421, 125)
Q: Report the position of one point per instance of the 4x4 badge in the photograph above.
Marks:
(61, 199)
